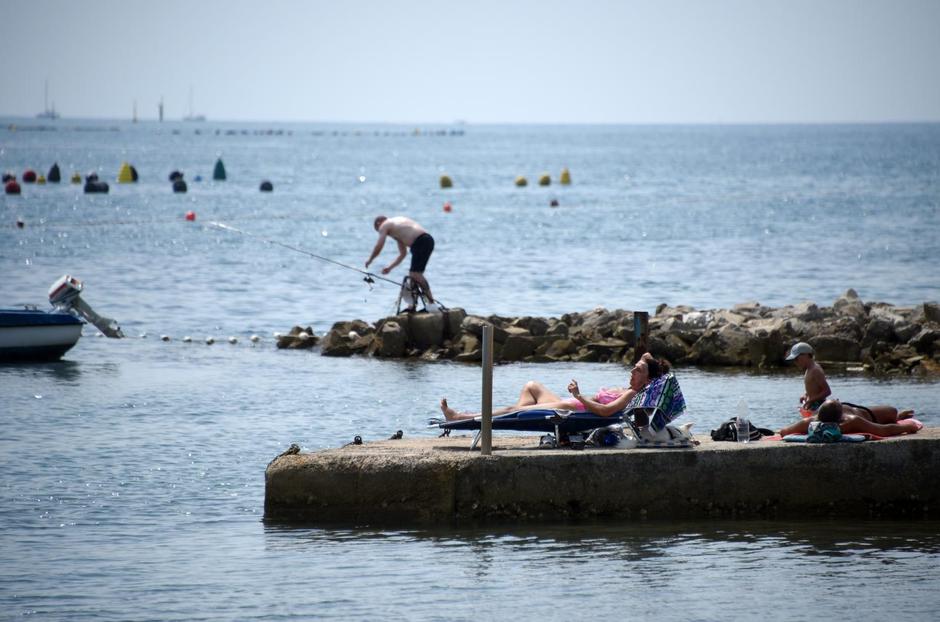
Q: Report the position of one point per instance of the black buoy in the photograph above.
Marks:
(19, 223)
(179, 186)
(91, 177)
(54, 176)
(219, 173)
(175, 175)
(8, 176)
(134, 175)
(93, 186)
(266, 186)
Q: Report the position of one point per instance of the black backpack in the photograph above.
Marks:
(728, 431)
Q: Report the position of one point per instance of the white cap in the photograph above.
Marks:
(798, 349)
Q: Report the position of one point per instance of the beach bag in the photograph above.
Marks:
(728, 431)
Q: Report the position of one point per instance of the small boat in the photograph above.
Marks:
(31, 334)
(36, 335)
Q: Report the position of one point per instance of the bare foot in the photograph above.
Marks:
(905, 414)
(449, 413)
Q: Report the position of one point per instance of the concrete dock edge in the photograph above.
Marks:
(433, 480)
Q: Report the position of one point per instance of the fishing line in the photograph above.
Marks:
(370, 276)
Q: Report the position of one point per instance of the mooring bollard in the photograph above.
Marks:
(641, 333)
(486, 425)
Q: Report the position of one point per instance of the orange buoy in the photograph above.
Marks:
(190, 215)
(448, 207)
(12, 187)
(29, 176)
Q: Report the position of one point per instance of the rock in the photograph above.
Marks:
(931, 311)
(425, 330)
(557, 328)
(665, 310)
(607, 349)
(836, 348)
(339, 342)
(470, 357)
(926, 340)
(906, 331)
(560, 348)
(849, 304)
(766, 348)
(298, 338)
(698, 320)
(667, 345)
(518, 346)
(453, 318)
(598, 324)
(723, 316)
(727, 345)
(536, 326)
(878, 329)
(391, 340)
(473, 325)
(808, 312)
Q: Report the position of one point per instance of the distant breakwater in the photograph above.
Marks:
(880, 337)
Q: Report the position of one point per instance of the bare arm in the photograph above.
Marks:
(378, 246)
(604, 410)
(402, 253)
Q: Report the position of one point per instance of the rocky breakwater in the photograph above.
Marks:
(879, 336)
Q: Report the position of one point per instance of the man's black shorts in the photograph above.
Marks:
(421, 250)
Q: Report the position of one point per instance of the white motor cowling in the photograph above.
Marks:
(64, 291)
(64, 294)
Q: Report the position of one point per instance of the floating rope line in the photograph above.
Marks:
(369, 276)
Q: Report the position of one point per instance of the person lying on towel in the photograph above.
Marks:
(606, 402)
(850, 422)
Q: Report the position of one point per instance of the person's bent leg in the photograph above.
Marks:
(418, 278)
(853, 424)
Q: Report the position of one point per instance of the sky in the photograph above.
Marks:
(479, 61)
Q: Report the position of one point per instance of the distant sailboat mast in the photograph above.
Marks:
(191, 116)
(47, 112)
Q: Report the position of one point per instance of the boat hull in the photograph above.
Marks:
(32, 335)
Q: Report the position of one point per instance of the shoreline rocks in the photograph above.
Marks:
(882, 338)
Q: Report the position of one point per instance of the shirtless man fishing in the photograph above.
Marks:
(408, 234)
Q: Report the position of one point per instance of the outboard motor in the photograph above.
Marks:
(64, 294)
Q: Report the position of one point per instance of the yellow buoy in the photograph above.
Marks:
(125, 176)
(521, 181)
(545, 179)
(41, 179)
(446, 181)
(76, 178)
(565, 178)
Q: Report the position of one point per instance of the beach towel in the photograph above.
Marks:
(663, 396)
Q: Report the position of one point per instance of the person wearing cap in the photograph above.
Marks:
(818, 392)
(814, 378)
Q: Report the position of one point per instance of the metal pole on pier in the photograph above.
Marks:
(486, 425)
(641, 334)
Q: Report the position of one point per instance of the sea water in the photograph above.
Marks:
(133, 470)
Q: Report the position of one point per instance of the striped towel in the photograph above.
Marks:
(663, 396)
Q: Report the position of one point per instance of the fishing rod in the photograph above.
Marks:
(369, 278)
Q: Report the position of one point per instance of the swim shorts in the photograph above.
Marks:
(421, 250)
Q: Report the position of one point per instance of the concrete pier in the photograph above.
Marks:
(438, 480)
